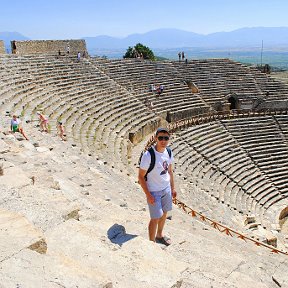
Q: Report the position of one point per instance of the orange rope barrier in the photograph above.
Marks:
(228, 231)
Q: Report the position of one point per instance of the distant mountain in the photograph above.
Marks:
(9, 36)
(174, 38)
(273, 37)
(161, 38)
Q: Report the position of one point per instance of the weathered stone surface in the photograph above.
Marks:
(4, 148)
(42, 149)
(2, 47)
(14, 177)
(16, 234)
(48, 46)
(92, 242)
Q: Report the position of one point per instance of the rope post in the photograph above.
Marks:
(193, 214)
(227, 232)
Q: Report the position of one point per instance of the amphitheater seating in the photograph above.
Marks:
(263, 140)
(240, 162)
(217, 79)
(234, 168)
(98, 112)
(137, 76)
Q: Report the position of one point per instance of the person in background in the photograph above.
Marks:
(16, 126)
(43, 122)
(61, 131)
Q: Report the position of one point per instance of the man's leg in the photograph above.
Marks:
(152, 228)
(161, 224)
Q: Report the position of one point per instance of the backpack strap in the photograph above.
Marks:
(169, 151)
(152, 163)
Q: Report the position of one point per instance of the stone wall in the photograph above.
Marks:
(186, 114)
(272, 105)
(137, 136)
(2, 47)
(48, 47)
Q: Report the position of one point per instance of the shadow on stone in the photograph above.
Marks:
(117, 234)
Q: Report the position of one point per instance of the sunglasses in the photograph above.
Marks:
(161, 138)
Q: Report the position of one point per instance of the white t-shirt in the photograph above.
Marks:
(15, 122)
(159, 178)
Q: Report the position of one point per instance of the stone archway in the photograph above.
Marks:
(234, 103)
(13, 47)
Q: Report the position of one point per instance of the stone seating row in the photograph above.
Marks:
(282, 121)
(204, 175)
(51, 82)
(249, 177)
(259, 149)
(141, 82)
(222, 151)
(232, 77)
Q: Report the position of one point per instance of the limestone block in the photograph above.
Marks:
(249, 219)
(87, 247)
(253, 225)
(16, 233)
(271, 239)
(27, 145)
(6, 164)
(42, 149)
(4, 148)
(10, 139)
(97, 173)
(14, 177)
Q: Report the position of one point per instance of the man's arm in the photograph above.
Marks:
(170, 171)
(143, 184)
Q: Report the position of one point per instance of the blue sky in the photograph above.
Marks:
(63, 19)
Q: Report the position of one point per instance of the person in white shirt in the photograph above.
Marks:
(158, 185)
(16, 126)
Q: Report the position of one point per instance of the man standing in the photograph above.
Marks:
(158, 184)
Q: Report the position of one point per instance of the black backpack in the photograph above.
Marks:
(153, 159)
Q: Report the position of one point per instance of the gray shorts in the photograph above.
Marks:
(163, 203)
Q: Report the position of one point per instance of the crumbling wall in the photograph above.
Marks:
(2, 47)
(54, 47)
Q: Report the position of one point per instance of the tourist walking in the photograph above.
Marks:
(157, 181)
(43, 122)
(61, 131)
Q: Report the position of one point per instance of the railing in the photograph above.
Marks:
(224, 229)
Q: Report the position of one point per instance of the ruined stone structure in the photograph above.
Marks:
(2, 47)
(48, 47)
(231, 166)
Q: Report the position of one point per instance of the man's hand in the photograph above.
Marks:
(174, 193)
(150, 199)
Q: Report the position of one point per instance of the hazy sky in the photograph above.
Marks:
(60, 19)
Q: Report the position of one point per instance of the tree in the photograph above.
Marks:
(139, 51)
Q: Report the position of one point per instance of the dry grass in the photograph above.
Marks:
(280, 76)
